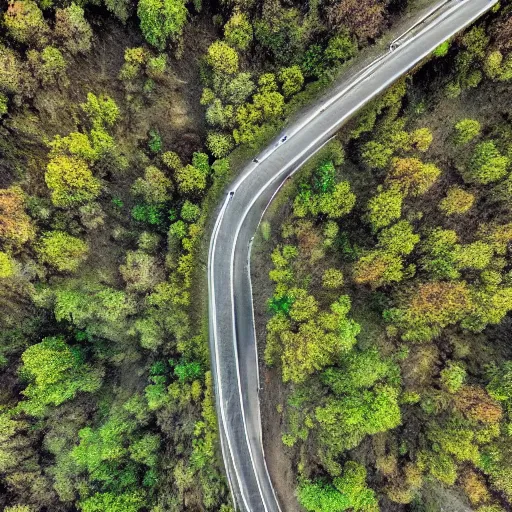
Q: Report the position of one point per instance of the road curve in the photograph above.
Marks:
(231, 317)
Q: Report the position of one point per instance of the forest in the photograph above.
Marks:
(121, 123)
(387, 270)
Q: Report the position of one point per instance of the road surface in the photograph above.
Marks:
(231, 316)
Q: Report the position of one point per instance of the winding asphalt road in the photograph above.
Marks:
(231, 315)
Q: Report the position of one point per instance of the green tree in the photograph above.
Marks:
(220, 144)
(376, 155)
(190, 179)
(190, 212)
(161, 21)
(238, 31)
(340, 48)
(384, 208)
(62, 251)
(348, 492)
(378, 268)
(398, 238)
(453, 377)
(466, 130)
(72, 29)
(71, 181)
(6, 265)
(49, 66)
(486, 165)
(25, 23)
(457, 201)
(412, 176)
(154, 187)
(291, 80)
(56, 373)
(332, 278)
(102, 110)
(141, 271)
(222, 58)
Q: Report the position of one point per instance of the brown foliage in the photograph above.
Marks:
(364, 18)
(15, 225)
(412, 175)
(476, 404)
(440, 302)
(475, 488)
(502, 33)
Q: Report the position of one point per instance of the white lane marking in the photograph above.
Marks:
(211, 258)
(235, 348)
(421, 20)
(284, 169)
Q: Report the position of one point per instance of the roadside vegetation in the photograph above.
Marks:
(117, 119)
(387, 332)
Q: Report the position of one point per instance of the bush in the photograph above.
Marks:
(62, 251)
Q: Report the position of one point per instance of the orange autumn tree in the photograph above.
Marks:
(431, 307)
(15, 225)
